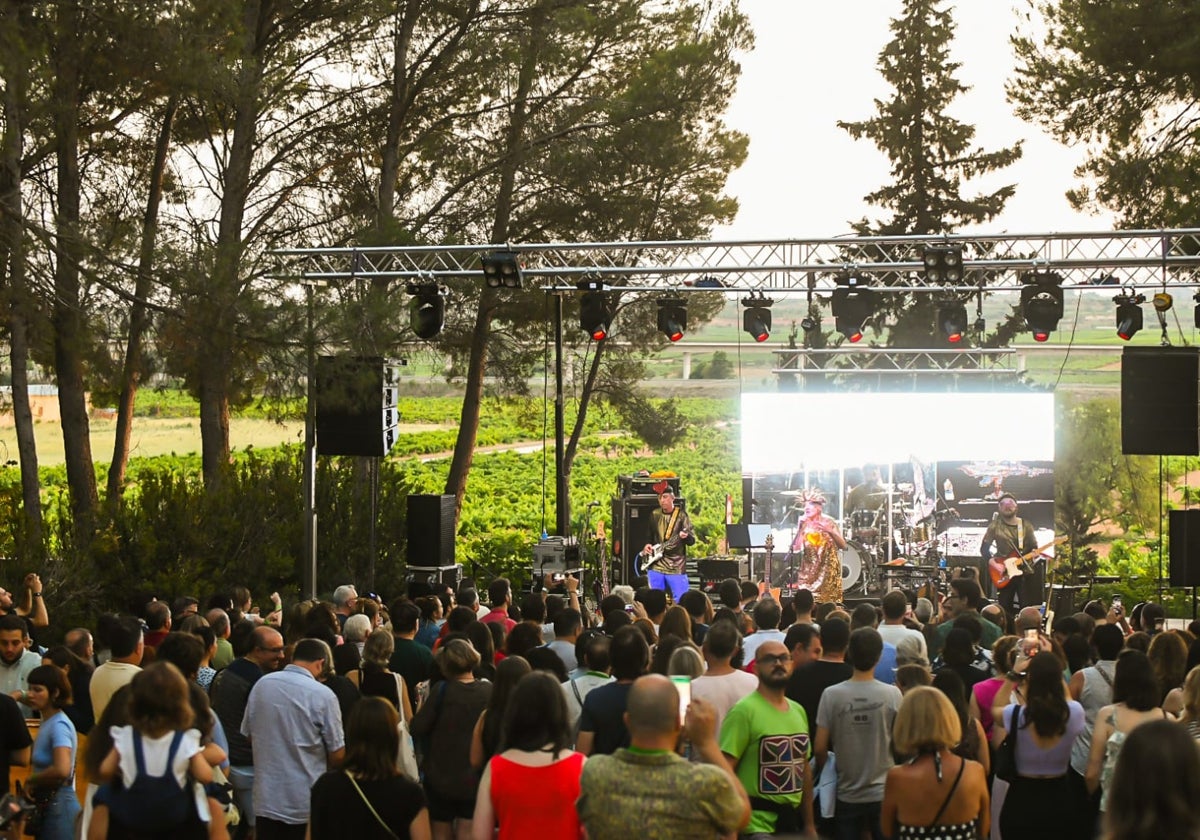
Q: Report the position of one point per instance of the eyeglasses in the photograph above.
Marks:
(774, 659)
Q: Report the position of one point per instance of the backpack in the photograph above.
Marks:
(152, 803)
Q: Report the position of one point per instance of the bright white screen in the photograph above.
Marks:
(786, 432)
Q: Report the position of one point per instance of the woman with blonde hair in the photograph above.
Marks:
(446, 720)
(1191, 703)
(373, 677)
(936, 795)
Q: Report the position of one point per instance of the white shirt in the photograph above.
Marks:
(724, 691)
(895, 632)
(751, 643)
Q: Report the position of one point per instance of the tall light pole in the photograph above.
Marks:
(309, 478)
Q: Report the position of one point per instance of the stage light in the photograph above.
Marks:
(426, 310)
(809, 323)
(952, 320)
(595, 315)
(1042, 303)
(672, 317)
(853, 303)
(943, 263)
(1129, 314)
(502, 268)
(756, 320)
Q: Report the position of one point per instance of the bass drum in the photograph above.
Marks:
(852, 564)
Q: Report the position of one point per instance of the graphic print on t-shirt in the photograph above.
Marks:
(781, 763)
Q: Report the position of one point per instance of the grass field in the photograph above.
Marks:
(152, 436)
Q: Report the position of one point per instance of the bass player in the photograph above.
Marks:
(1011, 536)
(671, 530)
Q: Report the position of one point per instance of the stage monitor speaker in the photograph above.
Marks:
(631, 524)
(1184, 531)
(356, 405)
(430, 531)
(1160, 401)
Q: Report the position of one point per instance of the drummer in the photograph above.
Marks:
(870, 495)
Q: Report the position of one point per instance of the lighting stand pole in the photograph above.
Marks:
(309, 479)
(562, 501)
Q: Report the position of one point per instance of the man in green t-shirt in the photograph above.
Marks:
(765, 736)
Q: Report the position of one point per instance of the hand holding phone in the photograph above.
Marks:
(684, 686)
(1033, 642)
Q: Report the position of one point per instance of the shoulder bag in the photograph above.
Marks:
(406, 760)
(1005, 765)
(371, 807)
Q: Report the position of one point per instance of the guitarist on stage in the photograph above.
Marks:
(671, 529)
(1011, 535)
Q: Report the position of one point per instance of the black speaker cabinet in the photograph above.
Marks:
(631, 531)
(1160, 401)
(430, 531)
(356, 405)
(1184, 530)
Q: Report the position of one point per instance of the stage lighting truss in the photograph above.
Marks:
(501, 269)
(952, 320)
(853, 303)
(1129, 314)
(595, 313)
(1196, 311)
(426, 310)
(672, 317)
(943, 264)
(1042, 302)
(756, 320)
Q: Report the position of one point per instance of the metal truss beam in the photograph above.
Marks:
(877, 361)
(1142, 259)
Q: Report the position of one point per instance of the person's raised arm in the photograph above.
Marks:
(700, 726)
(33, 605)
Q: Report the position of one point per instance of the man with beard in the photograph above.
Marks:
(230, 694)
(765, 737)
(15, 660)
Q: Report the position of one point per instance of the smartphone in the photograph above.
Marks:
(1032, 642)
(1117, 604)
(684, 686)
(559, 577)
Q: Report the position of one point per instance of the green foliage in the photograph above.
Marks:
(932, 154)
(659, 423)
(1120, 77)
(719, 367)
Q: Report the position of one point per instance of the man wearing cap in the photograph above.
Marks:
(671, 530)
(1011, 535)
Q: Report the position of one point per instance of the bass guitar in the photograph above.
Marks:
(642, 563)
(1005, 569)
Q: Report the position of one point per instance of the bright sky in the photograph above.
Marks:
(815, 63)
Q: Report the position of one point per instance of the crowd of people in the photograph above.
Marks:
(455, 713)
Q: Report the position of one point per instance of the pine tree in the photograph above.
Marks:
(932, 154)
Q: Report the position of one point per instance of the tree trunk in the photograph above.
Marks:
(218, 320)
(468, 424)
(69, 333)
(131, 371)
(12, 256)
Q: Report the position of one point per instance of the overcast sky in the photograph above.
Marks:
(815, 63)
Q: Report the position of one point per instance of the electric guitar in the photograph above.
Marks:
(642, 562)
(1004, 569)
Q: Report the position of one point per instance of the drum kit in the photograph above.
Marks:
(883, 541)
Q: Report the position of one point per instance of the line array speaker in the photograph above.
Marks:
(356, 405)
(1160, 409)
(430, 531)
(1184, 530)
